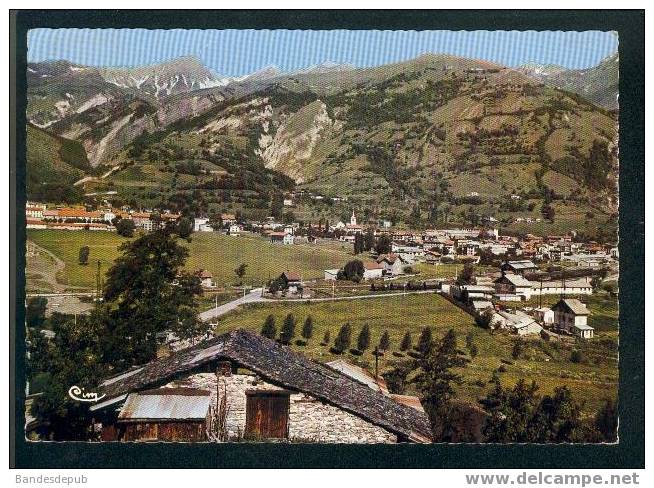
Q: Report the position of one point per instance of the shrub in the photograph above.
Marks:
(577, 356)
(406, 342)
(84, 255)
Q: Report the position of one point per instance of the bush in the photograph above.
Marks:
(518, 348)
(307, 328)
(406, 342)
(125, 227)
(84, 255)
(577, 356)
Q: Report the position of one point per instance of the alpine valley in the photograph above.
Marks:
(436, 139)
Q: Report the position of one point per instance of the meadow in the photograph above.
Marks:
(220, 254)
(592, 380)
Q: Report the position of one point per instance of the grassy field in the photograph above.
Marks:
(603, 310)
(217, 253)
(548, 363)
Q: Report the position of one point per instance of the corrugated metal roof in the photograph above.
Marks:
(175, 404)
(359, 374)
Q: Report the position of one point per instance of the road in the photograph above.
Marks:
(255, 297)
(252, 297)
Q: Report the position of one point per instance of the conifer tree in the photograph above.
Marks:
(269, 330)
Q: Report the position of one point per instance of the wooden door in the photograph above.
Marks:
(267, 415)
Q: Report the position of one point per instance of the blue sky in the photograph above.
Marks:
(239, 52)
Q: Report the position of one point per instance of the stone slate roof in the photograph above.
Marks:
(279, 365)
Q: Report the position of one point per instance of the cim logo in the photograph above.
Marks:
(77, 393)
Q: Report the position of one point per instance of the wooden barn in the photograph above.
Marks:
(164, 414)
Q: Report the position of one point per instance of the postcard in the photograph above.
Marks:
(322, 236)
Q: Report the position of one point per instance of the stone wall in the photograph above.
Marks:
(310, 420)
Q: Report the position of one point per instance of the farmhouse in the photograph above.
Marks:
(258, 389)
(571, 316)
(372, 271)
(511, 287)
(393, 264)
(291, 281)
(206, 278)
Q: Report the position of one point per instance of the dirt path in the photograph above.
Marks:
(43, 266)
(46, 265)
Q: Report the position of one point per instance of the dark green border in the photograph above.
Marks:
(629, 453)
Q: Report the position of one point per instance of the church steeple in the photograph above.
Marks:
(353, 219)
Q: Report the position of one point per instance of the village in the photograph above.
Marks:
(241, 386)
(512, 273)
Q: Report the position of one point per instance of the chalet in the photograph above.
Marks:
(432, 257)
(372, 270)
(511, 287)
(481, 305)
(258, 390)
(571, 316)
(468, 293)
(519, 267)
(288, 239)
(201, 225)
(291, 281)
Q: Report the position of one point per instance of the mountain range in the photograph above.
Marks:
(428, 132)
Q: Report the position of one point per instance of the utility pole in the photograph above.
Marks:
(98, 286)
(376, 362)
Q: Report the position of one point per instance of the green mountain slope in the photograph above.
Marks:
(437, 139)
(52, 162)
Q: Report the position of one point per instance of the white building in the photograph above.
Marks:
(571, 316)
(201, 225)
(372, 271)
(235, 230)
(331, 274)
